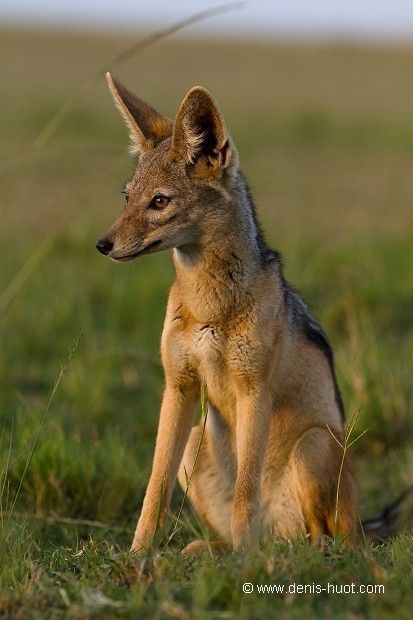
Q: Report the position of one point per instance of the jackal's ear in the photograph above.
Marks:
(199, 131)
(146, 125)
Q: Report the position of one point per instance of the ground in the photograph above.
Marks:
(325, 135)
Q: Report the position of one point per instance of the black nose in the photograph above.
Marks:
(104, 246)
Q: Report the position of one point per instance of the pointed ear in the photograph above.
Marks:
(199, 131)
(146, 126)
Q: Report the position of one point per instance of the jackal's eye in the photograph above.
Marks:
(124, 191)
(159, 201)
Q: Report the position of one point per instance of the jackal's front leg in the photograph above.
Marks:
(253, 416)
(176, 418)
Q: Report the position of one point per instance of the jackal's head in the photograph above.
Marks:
(182, 184)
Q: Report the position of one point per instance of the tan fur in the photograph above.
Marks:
(267, 464)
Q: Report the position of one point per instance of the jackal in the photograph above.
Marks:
(269, 460)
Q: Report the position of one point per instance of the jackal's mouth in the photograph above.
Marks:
(151, 247)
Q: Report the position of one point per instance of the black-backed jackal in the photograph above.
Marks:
(268, 463)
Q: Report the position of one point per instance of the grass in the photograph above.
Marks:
(326, 139)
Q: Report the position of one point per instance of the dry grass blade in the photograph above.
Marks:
(166, 32)
(56, 519)
(24, 273)
(63, 368)
(4, 474)
(345, 446)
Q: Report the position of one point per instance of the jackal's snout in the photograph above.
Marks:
(104, 246)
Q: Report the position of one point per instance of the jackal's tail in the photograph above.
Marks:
(395, 518)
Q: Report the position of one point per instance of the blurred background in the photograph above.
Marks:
(318, 97)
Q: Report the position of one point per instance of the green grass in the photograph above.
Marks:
(326, 139)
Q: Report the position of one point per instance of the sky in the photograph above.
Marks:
(391, 19)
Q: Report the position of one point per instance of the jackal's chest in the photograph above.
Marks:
(220, 362)
(209, 348)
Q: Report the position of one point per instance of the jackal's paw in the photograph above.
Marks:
(245, 532)
(196, 547)
(139, 550)
(141, 545)
(145, 534)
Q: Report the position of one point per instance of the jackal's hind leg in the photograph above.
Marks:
(316, 462)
